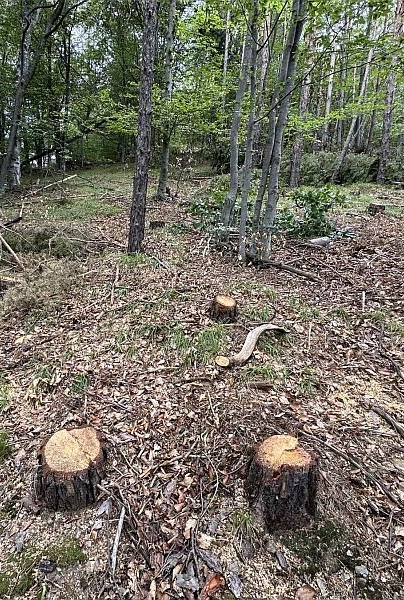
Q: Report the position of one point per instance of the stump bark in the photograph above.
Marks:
(223, 309)
(70, 468)
(281, 483)
(375, 209)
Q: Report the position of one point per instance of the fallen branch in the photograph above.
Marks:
(389, 419)
(114, 552)
(369, 476)
(249, 345)
(283, 267)
(11, 251)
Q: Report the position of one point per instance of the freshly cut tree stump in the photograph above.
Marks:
(281, 483)
(223, 309)
(375, 209)
(70, 468)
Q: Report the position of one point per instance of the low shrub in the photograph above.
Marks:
(312, 215)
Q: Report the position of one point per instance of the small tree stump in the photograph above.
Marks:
(223, 309)
(375, 209)
(281, 483)
(70, 468)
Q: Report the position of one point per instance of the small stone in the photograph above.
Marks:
(361, 571)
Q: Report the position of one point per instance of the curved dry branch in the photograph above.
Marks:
(248, 347)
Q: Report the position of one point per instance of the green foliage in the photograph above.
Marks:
(207, 207)
(47, 239)
(313, 207)
(4, 393)
(5, 447)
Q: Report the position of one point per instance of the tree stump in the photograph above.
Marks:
(70, 468)
(375, 209)
(281, 483)
(223, 309)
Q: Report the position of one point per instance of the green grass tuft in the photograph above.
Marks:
(5, 447)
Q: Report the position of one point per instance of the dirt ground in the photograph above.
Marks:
(90, 335)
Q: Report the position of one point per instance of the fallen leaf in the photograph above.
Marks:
(213, 583)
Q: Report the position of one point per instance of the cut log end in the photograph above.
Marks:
(70, 468)
(223, 309)
(282, 482)
(222, 361)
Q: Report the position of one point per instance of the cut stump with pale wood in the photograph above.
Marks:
(70, 468)
(223, 309)
(281, 483)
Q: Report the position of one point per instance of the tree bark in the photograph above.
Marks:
(223, 309)
(349, 137)
(71, 465)
(325, 139)
(248, 160)
(28, 61)
(230, 200)
(291, 49)
(168, 80)
(389, 98)
(281, 484)
(143, 136)
(297, 150)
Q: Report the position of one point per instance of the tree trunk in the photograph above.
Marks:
(389, 99)
(28, 61)
(328, 100)
(248, 161)
(143, 136)
(282, 481)
(269, 36)
(165, 151)
(349, 138)
(230, 200)
(297, 150)
(70, 468)
(291, 49)
(226, 58)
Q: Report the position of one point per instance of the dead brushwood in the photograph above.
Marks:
(42, 291)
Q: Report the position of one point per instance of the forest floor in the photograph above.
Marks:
(90, 335)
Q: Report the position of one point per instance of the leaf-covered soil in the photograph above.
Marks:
(91, 336)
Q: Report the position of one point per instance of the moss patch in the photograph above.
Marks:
(323, 545)
(18, 575)
(67, 553)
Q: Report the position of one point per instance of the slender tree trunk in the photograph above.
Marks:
(351, 132)
(389, 98)
(168, 129)
(369, 140)
(291, 49)
(297, 150)
(248, 161)
(325, 139)
(226, 57)
(230, 200)
(143, 137)
(268, 36)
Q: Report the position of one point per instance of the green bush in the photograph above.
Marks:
(316, 168)
(312, 215)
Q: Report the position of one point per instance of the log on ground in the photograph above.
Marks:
(70, 468)
(281, 483)
(223, 309)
